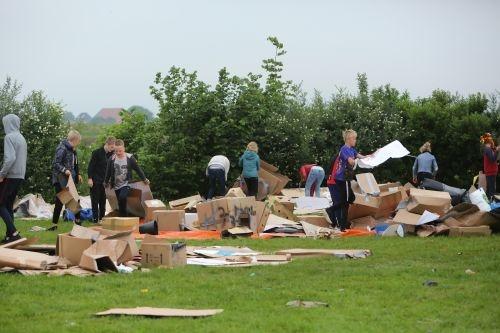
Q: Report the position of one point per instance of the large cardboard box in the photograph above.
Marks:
(69, 196)
(105, 254)
(139, 193)
(159, 253)
(275, 181)
(120, 223)
(169, 220)
(483, 230)
(432, 201)
(71, 248)
(286, 202)
(242, 211)
(150, 206)
(214, 215)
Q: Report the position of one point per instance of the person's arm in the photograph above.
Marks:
(434, 167)
(135, 166)
(415, 168)
(360, 156)
(107, 175)
(58, 161)
(490, 154)
(91, 167)
(258, 163)
(9, 153)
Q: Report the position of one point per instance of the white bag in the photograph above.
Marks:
(480, 199)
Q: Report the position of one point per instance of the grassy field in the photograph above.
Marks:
(383, 293)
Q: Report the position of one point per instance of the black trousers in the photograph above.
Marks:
(491, 186)
(342, 195)
(252, 186)
(8, 192)
(216, 182)
(121, 196)
(98, 199)
(59, 206)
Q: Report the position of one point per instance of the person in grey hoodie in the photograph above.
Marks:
(250, 162)
(425, 165)
(12, 174)
(217, 171)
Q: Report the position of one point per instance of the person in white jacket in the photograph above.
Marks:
(217, 171)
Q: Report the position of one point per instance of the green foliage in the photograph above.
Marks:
(197, 121)
(42, 124)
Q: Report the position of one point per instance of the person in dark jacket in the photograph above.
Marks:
(490, 164)
(65, 165)
(250, 162)
(96, 173)
(119, 174)
(12, 173)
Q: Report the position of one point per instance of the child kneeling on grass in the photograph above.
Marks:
(119, 174)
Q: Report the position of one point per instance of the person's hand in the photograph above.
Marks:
(90, 182)
(146, 181)
(1, 179)
(414, 180)
(67, 173)
(80, 178)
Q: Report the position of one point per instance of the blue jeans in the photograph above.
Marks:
(316, 176)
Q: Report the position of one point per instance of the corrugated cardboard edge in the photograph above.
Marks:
(160, 312)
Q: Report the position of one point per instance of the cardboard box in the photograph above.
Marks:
(69, 192)
(483, 230)
(139, 193)
(469, 215)
(71, 248)
(262, 213)
(169, 220)
(235, 192)
(269, 174)
(120, 223)
(150, 206)
(277, 208)
(432, 201)
(159, 253)
(317, 220)
(242, 211)
(368, 184)
(363, 223)
(25, 259)
(405, 217)
(214, 215)
(104, 255)
(180, 204)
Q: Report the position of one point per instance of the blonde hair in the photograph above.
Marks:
(425, 147)
(347, 133)
(74, 136)
(110, 140)
(119, 143)
(253, 146)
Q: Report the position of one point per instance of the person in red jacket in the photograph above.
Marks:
(490, 163)
(312, 175)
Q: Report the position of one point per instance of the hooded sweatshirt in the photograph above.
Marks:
(15, 149)
(250, 162)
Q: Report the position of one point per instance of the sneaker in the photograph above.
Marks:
(10, 239)
(53, 227)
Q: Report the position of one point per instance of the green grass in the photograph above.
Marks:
(383, 293)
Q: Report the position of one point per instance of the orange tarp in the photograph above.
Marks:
(195, 234)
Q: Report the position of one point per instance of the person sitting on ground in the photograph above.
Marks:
(65, 165)
(217, 171)
(96, 173)
(250, 162)
(119, 174)
(339, 180)
(490, 164)
(12, 173)
(312, 175)
(425, 166)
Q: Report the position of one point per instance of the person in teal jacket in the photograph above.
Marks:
(250, 162)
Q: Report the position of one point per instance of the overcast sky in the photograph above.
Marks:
(97, 53)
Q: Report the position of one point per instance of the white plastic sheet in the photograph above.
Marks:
(393, 150)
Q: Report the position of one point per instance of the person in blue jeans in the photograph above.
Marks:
(250, 162)
(315, 178)
(339, 181)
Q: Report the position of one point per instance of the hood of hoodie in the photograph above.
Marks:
(250, 155)
(11, 123)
